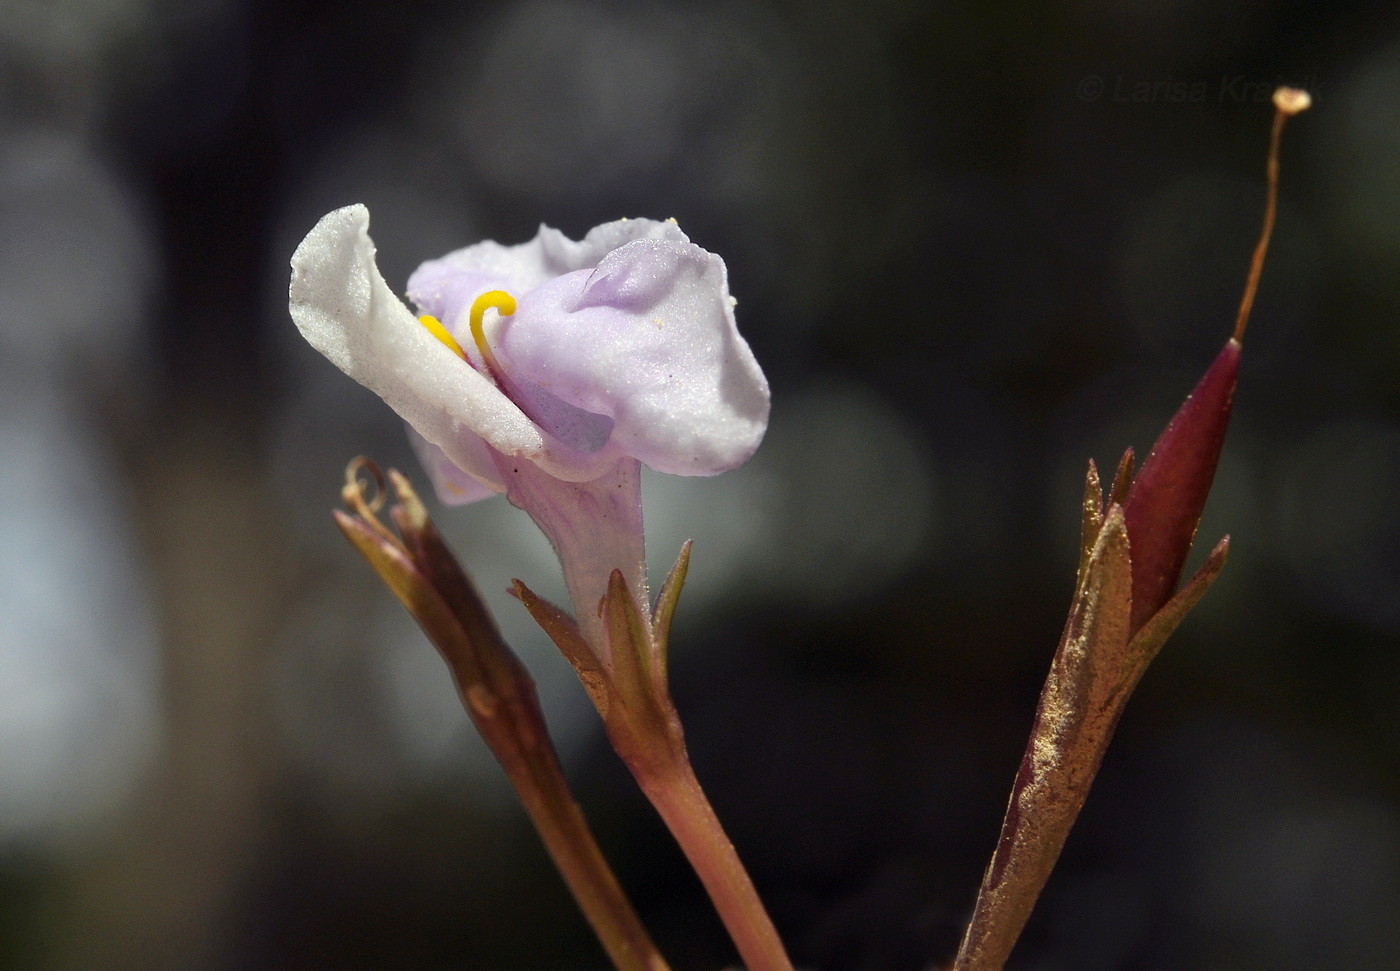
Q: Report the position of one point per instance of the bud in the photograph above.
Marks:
(1169, 493)
(1165, 502)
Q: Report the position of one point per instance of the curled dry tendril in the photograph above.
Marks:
(367, 506)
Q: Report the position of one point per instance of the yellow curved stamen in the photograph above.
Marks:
(440, 332)
(502, 302)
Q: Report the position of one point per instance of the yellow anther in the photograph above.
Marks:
(440, 332)
(502, 302)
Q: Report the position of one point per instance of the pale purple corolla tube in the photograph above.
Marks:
(621, 349)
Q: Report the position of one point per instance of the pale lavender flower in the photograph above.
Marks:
(547, 371)
(551, 371)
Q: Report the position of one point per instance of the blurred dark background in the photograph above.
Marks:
(973, 245)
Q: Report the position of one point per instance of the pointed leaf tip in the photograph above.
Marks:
(1122, 477)
(558, 625)
(624, 619)
(566, 636)
(665, 609)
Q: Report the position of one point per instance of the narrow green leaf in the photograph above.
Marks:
(629, 641)
(565, 634)
(1154, 633)
(1122, 479)
(665, 609)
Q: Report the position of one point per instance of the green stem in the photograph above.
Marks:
(678, 798)
(514, 732)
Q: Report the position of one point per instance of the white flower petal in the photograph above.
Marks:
(343, 307)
